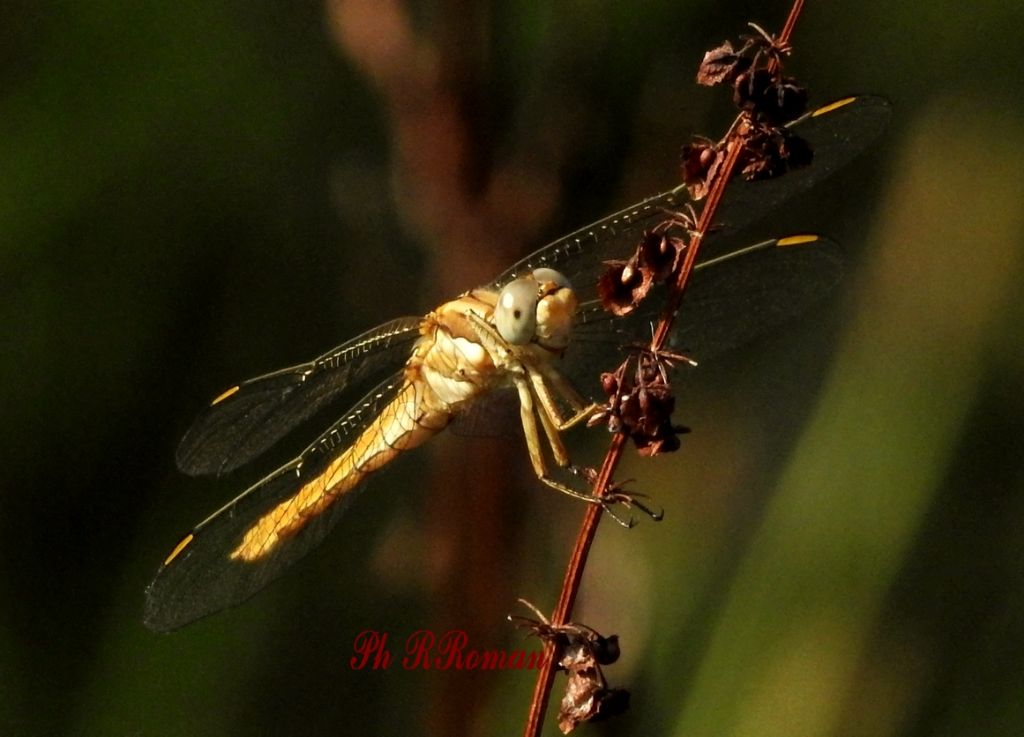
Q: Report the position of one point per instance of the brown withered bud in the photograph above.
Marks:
(587, 696)
(609, 417)
(664, 440)
(581, 651)
(611, 383)
(640, 402)
(700, 161)
(629, 410)
(760, 159)
(655, 433)
(581, 644)
(770, 152)
(656, 404)
(645, 414)
(651, 403)
(721, 65)
(587, 699)
(606, 649)
(610, 703)
(622, 286)
(659, 253)
(769, 97)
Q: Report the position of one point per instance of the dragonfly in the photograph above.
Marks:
(532, 332)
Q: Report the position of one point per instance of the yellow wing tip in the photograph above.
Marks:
(220, 398)
(179, 547)
(797, 240)
(833, 106)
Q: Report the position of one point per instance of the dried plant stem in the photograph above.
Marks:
(675, 297)
(571, 586)
(787, 30)
(588, 530)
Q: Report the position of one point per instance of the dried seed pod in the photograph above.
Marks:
(701, 161)
(721, 65)
(659, 254)
(622, 286)
(770, 152)
(581, 651)
(769, 97)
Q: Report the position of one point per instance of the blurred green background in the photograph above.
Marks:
(193, 193)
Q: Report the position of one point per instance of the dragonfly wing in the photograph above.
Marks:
(730, 299)
(204, 574)
(768, 285)
(495, 415)
(580, 256)
(837, 132)
(246, 420)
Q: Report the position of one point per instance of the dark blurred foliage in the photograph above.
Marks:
(194, 193)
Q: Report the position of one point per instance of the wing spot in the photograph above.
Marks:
(220, 398)
(832, 106)
(797, 240)
(179, 547)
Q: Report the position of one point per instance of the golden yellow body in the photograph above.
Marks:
(452, 364)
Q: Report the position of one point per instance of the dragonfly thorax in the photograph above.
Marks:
(449, 358)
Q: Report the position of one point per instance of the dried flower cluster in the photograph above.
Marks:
(580, 652)
(640, 399)
(640, 402)
(768, 100)
(656, 258)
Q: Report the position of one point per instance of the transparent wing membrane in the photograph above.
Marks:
(729, 300)
(837, 133)
(204, 576)
(261, 411)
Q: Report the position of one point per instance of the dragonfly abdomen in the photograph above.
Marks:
(408, 420)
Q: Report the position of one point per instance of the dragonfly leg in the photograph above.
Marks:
(549, 420)
(529, 419)
(548, 412)
(565, 389)
(582, 412)
(552, 420)
(527, 414)
(581, 416)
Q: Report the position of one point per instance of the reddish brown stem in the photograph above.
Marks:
(588, 530)
(571, 585)
(787, 30)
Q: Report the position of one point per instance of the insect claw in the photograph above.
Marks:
(606, 504)
(631, 501)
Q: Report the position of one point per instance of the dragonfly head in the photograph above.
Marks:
(537, 308)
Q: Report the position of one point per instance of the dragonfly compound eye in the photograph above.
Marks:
(556, 309)
(546, 275)
(516, 313)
